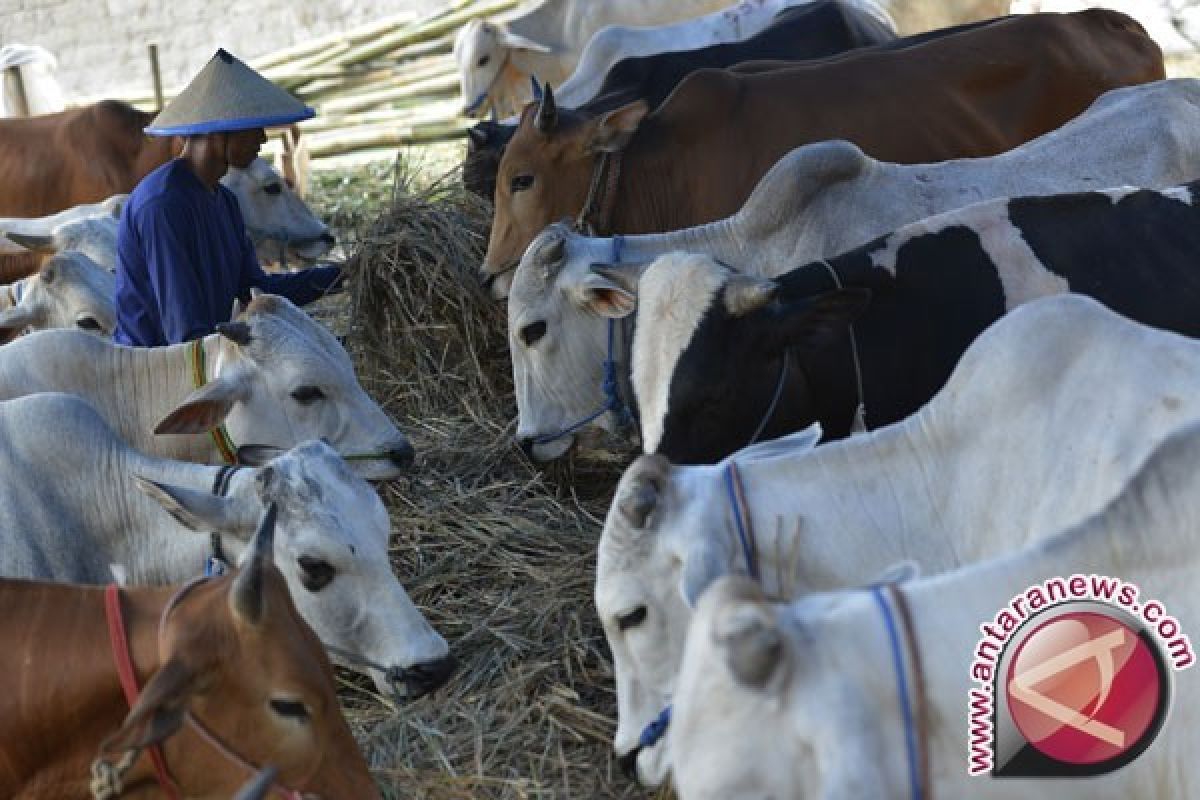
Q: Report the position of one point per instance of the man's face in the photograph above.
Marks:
(241, 147)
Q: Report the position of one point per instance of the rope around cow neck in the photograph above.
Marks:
(913, 708)
(220, 436)
(859, 423)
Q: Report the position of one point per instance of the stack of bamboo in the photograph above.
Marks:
(384, 85)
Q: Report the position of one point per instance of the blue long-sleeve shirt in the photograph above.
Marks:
(183, 256)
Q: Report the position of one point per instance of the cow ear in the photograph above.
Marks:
(34, 243)
(159, 711)
(605, 296)
(516, 41)
(812, 321)
(752, 643)
(745, 294)
(205, 408)
(200, 511)
(613, 130)
(641, 489)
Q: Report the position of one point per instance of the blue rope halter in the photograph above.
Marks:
(916, 765)
(610, 383)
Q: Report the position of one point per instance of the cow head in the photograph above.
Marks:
(483, 51)
(281, 378)
(68, 291)
(694, 313)
(669, 533)
(485, 147)
(281, 226)
(544, 175)
(332, 547)
(236, 656)
(558, 312)
(91, 230)
(786, 701)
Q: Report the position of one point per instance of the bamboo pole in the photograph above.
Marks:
(156, 75)
(355, 35)
(427, 29)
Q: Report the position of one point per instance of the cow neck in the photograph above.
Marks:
(809, 509)
(595, 218)
(148, 383)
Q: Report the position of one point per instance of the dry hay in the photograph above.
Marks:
(498, 555)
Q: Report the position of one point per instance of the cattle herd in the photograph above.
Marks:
(903, 327)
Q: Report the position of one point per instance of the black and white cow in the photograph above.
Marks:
(718, 356)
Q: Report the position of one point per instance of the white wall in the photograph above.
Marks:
(101, 44)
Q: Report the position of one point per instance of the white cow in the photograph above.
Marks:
(90, 229)
(733, 24)
(1173, 24)
(36, 67)
(803, 700)
(497, 60)
(818, 201)
(71, 510)
(1046, 417)
(273, 376)
(70, 290)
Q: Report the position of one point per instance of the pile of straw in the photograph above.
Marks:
(499, 555)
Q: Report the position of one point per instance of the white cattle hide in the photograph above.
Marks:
(798, 701)
(1046, 417)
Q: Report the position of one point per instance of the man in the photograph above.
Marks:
(183, 255)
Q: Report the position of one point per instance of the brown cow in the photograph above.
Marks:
(230, 654)
(697, 158)
(83, 155)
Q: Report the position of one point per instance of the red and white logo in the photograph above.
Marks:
(1084, 688)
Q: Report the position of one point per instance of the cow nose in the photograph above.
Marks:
(526, 444)
(429, 675)
(402, 455)
(628, 763)
(328, 238)
(486, 280)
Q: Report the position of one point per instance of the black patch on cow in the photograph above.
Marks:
(1139, 256)
(946, 291)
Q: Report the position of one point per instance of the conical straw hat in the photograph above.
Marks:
(227, 96)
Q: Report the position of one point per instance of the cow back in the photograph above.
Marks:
(55, 161)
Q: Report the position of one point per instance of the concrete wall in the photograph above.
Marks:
(101, 44)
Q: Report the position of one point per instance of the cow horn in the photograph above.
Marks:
(547, 113)
(752, 643)
(536, 88)
(648, 474)
(236, 331)
(33, 242)
(246, 595)
(553, 252)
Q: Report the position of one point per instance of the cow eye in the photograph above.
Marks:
(483, 61)
(273, 188)
(88, 324)
(307, 395)
(521, 183)
(292, 709)
(632, 619)
(532, 332)
(315, 574)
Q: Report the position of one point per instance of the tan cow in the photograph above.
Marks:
(700, 154)
(226, 660)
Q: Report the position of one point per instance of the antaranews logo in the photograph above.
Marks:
(1072, 678)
